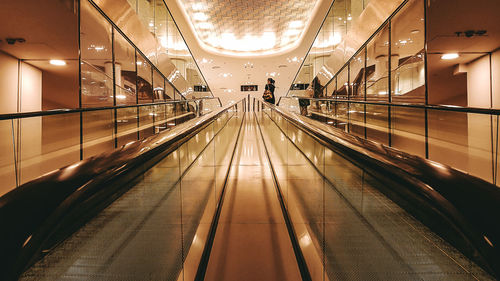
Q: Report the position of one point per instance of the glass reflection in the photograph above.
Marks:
(463, 80)
(98, 132)
(96, 54)
(408, 129)
(125, 71)
(169, 91)
(357, 119)
(160, 31)
(357, 76)
(377, 66)
(146, 121)
(343, 88)
(144, 80)
(377, 123)
(126, 123)
(158, 86)
(407, 54)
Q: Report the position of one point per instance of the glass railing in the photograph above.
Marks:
(167, 186)
(35, 143)
(353, 202)
(463, 138)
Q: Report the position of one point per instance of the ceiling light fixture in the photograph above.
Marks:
(225, 75)
(200, 16)
(198, 7)
(204, 25)
(449, 56)
(296, 24)
(57, 62)
(292, 32)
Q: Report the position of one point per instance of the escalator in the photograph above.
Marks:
(260, 195)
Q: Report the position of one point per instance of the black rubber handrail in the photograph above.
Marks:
(31, 213)
(412, 105)
(9, 116)
(468, 207)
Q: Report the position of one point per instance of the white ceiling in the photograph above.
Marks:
(225, 72)
(248, 27)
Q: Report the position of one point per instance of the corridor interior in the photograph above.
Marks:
(346, 229)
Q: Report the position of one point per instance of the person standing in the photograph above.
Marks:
(269, 91)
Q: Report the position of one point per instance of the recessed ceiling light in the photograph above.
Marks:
(225, 75)
(296, 24)
(204, 25)
(292, 32)
(449, 56)
(198, 7)
(415, 31)
(57, 62)
(200, 16)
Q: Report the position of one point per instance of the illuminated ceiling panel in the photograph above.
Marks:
(249, 27)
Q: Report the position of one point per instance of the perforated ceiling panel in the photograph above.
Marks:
(249, 26)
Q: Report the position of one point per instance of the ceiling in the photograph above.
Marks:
(225, 70)
(248, 27)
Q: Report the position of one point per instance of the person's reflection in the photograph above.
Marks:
(144, 90)
(317, 92)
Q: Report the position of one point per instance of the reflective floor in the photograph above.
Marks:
(251, 241)
(149, 232)
(346, 228)
(345, 222)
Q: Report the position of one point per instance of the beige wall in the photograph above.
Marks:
(30, 92)
(478, 82)
(8, 83)
(20, 84)
(483, 79)
(481, 83)
(479, 146)
(495, 69)
(60, 88)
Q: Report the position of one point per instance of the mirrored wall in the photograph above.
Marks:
(419, 76)
(407, 52)
(83, 54)
(79, 78)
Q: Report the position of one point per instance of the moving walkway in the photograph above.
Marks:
(251, 192)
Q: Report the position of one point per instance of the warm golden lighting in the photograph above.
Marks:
(57, 62)
(200, 16)
(449, 56)
(232, 29)
(296, 24)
